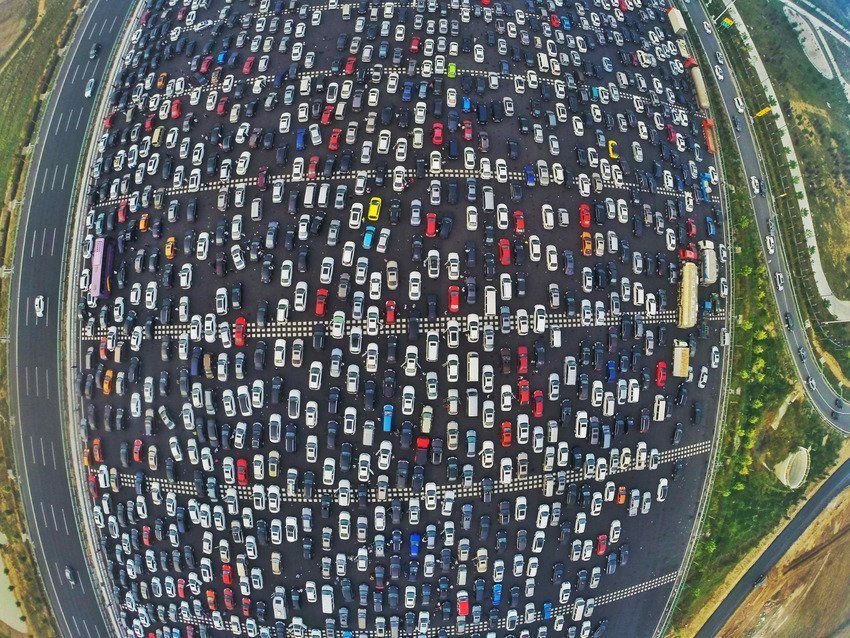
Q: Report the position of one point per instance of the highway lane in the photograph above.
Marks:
(836, 483)
(35, 385)
(818, 389)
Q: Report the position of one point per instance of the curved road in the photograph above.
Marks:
(821, 394)
(35, 386)
(836, 483)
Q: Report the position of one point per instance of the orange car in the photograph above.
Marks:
(96, 450)
(586, 244)
(170, 248)
(107, 382)
(144, 222)
(621, 495)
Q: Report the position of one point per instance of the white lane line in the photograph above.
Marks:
(32, 450)
(65, 522)
(64, 177)
(112, 24)
(74, 76)
(55, 172)
(27, 312)
(79, 119)
(55, 467)
(43, 455)
(47, 383)
(58, 123)
(43, 513)
(68, 122)
(53, 243)
(32, 244)
(36, 381)
(53, 514)
(44, 230)
(27, 382)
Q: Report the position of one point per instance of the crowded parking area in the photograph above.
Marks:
(399, 318)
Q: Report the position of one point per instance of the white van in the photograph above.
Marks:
(310, 195)
(306, 85)
(659, 408)
(555, 337)
(543, 62)
(256, 209)
(570, 369)
(472, 367)
(490, 301)
(327, 599)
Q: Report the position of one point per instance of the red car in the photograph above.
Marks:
(537, 400)
(206, 63)
(242, 472)
(505, 252)
(454, 299)
(519, 222)
(462, 603)
(688, 254)
(507, 436)
(212, 603)
(690, 227)
(414, 45)
(327, 114)
(146, 535)
(246, 606)
(122, 211)
(390, 310)
(149, 122)
(554, 20)
(350, 63)
(181, 587)
(321, 301)
(333, 143)
(227, 574)
(228, 598)
(313, 167)
(601, 544)
(109, 121)
(138, 446)
(239, 327)
(467, 130)
(176, 109)
(661, 374)
(524, 391)
(263, 178)
(584, 215)
(437, 134)
(522, 359)
(221, 107)
(249, 65)
(431, 224)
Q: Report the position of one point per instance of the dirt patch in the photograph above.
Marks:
(829, 361)
(805, 594)
(809, 42)
(13, 20)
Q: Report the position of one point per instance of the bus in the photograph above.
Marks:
(102, 257)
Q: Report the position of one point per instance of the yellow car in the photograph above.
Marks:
(374, 209)
(612, 149)
(452, 70)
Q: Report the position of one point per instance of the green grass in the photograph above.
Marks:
(747, 501)
(817, 113)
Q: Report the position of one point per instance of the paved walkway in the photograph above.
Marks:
(840, 308)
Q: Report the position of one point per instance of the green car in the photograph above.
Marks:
(452, 70)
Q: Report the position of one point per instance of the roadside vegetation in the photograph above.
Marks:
(747, 500)
(818, 116)
(27, 68)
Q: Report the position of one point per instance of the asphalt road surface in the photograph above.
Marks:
(831, 488)
(188, 544)
(35, 384)
(828, 404)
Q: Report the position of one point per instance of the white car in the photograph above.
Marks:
(39, 306)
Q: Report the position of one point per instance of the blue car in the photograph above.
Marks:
(547, 610)
(466, 104)
(415, 539)
(300, 143)
(407, 91)
(710, 228)
(612, 370)
(497, 594)
(222, 57)
(368, 237)
(530, 177)
(388, 418)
